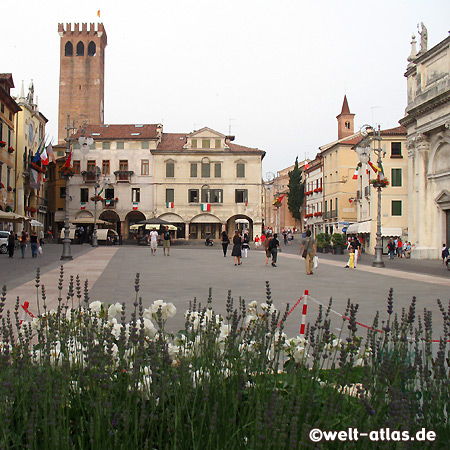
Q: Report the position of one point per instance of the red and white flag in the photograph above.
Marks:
(44, 157)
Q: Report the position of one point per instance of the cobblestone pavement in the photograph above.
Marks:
(191, 270)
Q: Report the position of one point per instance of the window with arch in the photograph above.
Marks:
(91, 48)
(68, 49)
(347, 125)
(80, 49)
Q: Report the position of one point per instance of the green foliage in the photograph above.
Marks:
(338, 240)
(323, 240)
(78, 378)
(296, 193)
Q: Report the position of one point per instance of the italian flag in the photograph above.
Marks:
(135, 206)
(206, 207)
(83, 205)
(108, 202)
(355, 175)
(169, 204)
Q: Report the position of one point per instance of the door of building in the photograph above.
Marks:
(448, 227)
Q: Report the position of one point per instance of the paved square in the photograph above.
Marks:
(192, 269)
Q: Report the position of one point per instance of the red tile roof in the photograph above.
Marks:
(174, 142)
(111, 132)
(394, 131)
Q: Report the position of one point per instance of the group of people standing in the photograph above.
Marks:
(397, 248)
(241, 245)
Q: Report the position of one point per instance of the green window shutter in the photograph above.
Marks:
(396, 176)
(218, 170)
(396, 207)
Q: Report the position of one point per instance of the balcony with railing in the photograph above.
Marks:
(123, 176)
(90, 176)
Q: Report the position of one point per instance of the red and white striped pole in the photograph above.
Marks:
(305, 309)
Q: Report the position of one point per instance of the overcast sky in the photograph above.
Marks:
(273, 72)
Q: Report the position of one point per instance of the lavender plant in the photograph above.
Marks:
(82, 376)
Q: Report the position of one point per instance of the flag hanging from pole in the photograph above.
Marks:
(355, 175)
(68, 160)
(375, 168)
(98, 13)
(206, 207)
(50, 152)
(44, 157)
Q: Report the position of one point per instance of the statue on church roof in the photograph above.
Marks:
(423, 38)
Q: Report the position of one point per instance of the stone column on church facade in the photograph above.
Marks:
(186, 231)
(423, 212)
(412, 200)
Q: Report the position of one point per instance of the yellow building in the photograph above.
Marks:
(339, 162)
(205, 183)
(30, 192)
(394, 197)
(8, 110)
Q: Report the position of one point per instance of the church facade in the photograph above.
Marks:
(427, 120)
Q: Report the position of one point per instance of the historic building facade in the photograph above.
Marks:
(427, 120)
(314, 196)
(8, 111)
(205, 183)
(339, 161)
(31, 198)
(394, 198)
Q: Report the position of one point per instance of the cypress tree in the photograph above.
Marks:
(296, 193)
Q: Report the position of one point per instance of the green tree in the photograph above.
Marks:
(296, 194)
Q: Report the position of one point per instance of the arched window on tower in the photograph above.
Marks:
(91, 48)
(68, 50)
(80, 49)
(347, 125)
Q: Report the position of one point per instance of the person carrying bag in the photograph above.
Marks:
(308, 251)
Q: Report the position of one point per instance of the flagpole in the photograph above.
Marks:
(66, 241)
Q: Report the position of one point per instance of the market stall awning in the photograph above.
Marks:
(359, 227)
(11, 217)
(364, 228)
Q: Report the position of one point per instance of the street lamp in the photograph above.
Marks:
(66, 241)
(363, 150)
(96, 194)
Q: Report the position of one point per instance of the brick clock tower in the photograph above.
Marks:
(82, 74)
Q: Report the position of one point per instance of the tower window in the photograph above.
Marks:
(80, 49)
(68, 49)
(91, 48)
(347, 125)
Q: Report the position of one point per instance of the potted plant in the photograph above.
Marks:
(2, 144)
(323, 242)
(338, 241)
(377, 182)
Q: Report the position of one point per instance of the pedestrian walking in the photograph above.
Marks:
(257, 242)
(23, 242)
(225, 241)
(399, 248)
(445, 253)
(11, 244)
(153, 236)
(167, 240)
(41, 237)
(245, 245)
(391, 248)
(274, 245)
(237, 246)
(34, 244)
(308, 250)
(266, 248)
(285, 237)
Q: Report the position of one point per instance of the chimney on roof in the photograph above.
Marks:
(345, 121)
